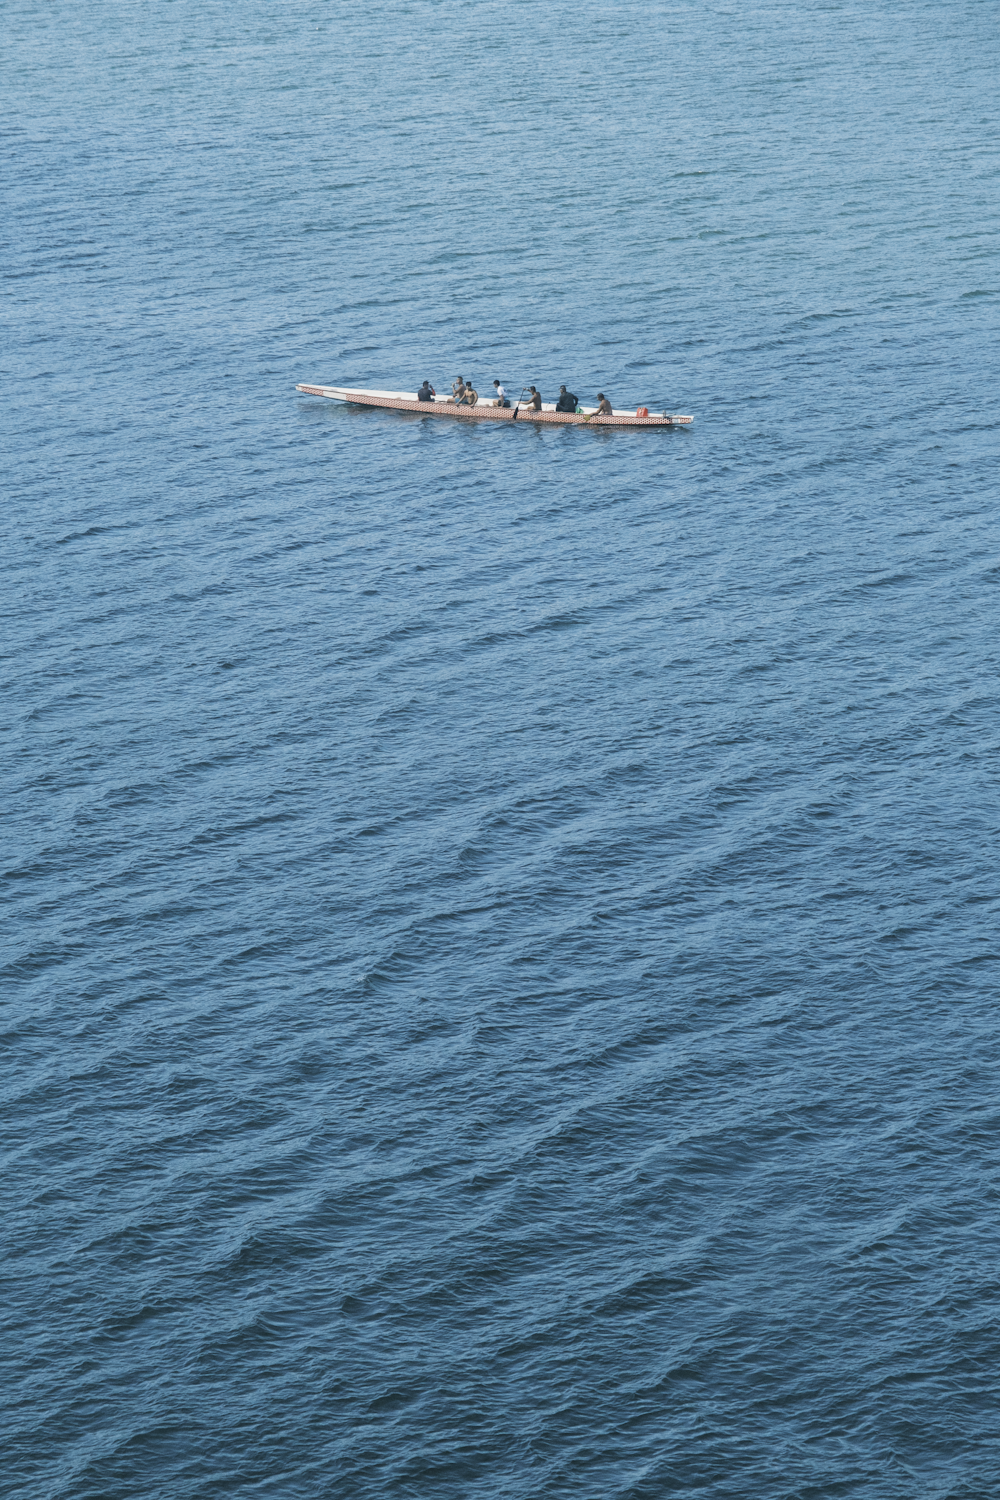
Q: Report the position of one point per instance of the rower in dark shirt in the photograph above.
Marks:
(426, 392)
(567, 401)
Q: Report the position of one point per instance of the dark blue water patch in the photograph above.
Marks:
(500, 923)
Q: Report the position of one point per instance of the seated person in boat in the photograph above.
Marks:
(534, 399)
(457, 390)
(501, 398)
(567, 401)
(426, 392)
(469, 396)
(604, 406)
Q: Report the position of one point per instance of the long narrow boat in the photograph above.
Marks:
(484, 411)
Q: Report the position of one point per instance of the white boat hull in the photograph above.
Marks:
(485, 411)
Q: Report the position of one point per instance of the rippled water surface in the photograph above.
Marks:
(500, 994)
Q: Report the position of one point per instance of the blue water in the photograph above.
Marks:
(501, 925)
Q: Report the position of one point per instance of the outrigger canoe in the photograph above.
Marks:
(484, 411)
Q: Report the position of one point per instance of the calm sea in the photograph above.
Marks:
(501, 953)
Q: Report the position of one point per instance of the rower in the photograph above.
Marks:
(457, 389)
(534, 399)
(469, 396)
(567, 401)
(604, 408)
(426, 392)
(501, 399)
